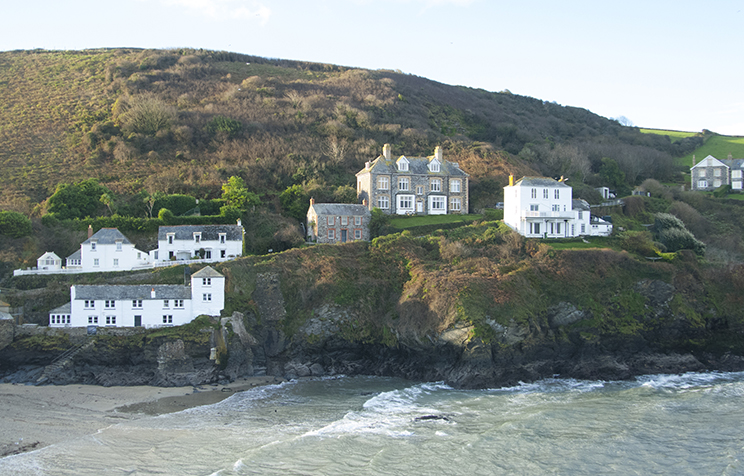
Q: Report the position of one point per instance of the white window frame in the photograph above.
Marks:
(109, 304)
(197, 237)
(96, 262)
(92, 319)
(545, 193)
(357, 234)
(406, 203)
(434, 166)
(171, 237)
(455, 204)
(167, 319)
(383, 203)
(557, 194)
(437, 203)
(403, 165)
(332, 234)
(206, 281)
(207, 297)
(404, 184)
(435, 185)
(357, 221)
(331, 221)
(136, 303)
(383, 183)
(344, 221)
(455, 186)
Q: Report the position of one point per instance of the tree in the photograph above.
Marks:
(672, 233)
(14, 224)
(237, 196)
(379, 223)
(77, 200)
(295, 202)
(611, 174)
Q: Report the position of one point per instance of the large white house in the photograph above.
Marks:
(212, 243)
(108, 250)
(142, 305)
(542, 207)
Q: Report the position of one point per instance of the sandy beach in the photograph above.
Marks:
(34, 417)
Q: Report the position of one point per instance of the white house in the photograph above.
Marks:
(542, 207)
(142, 305)
(49, 261)
(212, 243)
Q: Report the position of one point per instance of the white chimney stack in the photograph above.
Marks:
(152, 293)
(438, 153)
(387, 151)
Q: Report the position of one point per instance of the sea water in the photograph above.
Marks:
(663, 424)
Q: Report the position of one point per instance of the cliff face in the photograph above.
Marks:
(474, 307)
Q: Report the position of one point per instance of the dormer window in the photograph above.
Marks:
(434, 166)
(171, 237)
(403, 164)
(223, 237)
(197, 237)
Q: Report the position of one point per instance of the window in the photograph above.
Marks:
(331, 221)
(206, 281)
(403, 165)
(545, 193)
(118, 246)
(207, 254)
(116, 262)
(358, 221)
(139, 255)
(419, 189)
(383, 183)
(556, 208)
(534, 193)
(344, 221)
(96, 262)
(357, 234)
(223, 237)
(552, 228)
(166, 303)
(170, 238)
(93, 246)
(558, 227)
(533, 207)
(434, 166)
(167, 319)
(223, 253)
(583, 228)
(405, 202)
(717, 183)
(455, 186)
(702, 184)
(437, 203)
(557, 194)
(573, 229)
(436, 185)
(90, 304)
(383, 203)
(736, 174)
(197, 237)
(171, 255)
(109, 304)
(92, 319)
(403, 184)
(455, 204)
(534, 228)
(581, 215)
(207, 297)
(331, 234)
(178, 303)
(716, 172)
(137, 303)
(110, 320)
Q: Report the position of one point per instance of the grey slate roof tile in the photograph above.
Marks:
(137, 291)
(63, 309)
(108, 236)
(339, 209)
(207, 272)
(208, 232)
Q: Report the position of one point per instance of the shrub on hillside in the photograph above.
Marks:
(671, 232)
(14, 224)
(77, 200)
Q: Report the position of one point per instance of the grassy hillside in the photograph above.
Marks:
(719, 146)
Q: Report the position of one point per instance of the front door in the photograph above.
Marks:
(420, 207)
(343, 236)
(137, 321)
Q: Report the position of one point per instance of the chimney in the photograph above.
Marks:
(90, 231)
(438, 153)
(312, 201)
(561, 180)
(152, 293)
(387, 151)
(511, 180)
(693, 160)
(730, 156)
(364, 202)
(240, 222)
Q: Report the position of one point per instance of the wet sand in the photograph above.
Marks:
(34, 417)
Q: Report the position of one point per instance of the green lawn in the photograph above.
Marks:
(719, 147)
(403, 223)
(674, 136)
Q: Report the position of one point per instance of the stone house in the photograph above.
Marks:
(337, 222)
(413, 185)
(146, 305)
(541, 207)
(711, 173)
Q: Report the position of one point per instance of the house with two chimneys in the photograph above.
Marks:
(711, 173)
(541, 207)
(156, 305)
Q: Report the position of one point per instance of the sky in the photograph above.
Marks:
(661, 64)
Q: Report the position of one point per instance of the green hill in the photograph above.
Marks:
(717, 145)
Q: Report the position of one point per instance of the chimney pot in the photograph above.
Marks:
(90, 231)
(152, 293)
(511, 180)
(312, 201)
(387, 151)
(438, 153)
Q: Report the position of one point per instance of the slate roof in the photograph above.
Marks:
(540, 182)
(49, 254)
(736, 164)
(75, 255)
(207, 272)
(580, 204)
(339, 209)
(208, 232)
(416, 166)
(139, 291)
(63, 309)
(108, 236)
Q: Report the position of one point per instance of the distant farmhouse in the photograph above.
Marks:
(146, 305)
(413, 185)
(109, 250)
(337, 222)
(711, 173)
(542, 207)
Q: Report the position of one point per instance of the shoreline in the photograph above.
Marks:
(35, 417)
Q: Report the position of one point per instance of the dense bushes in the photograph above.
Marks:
(14, 224)
(672, 233)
